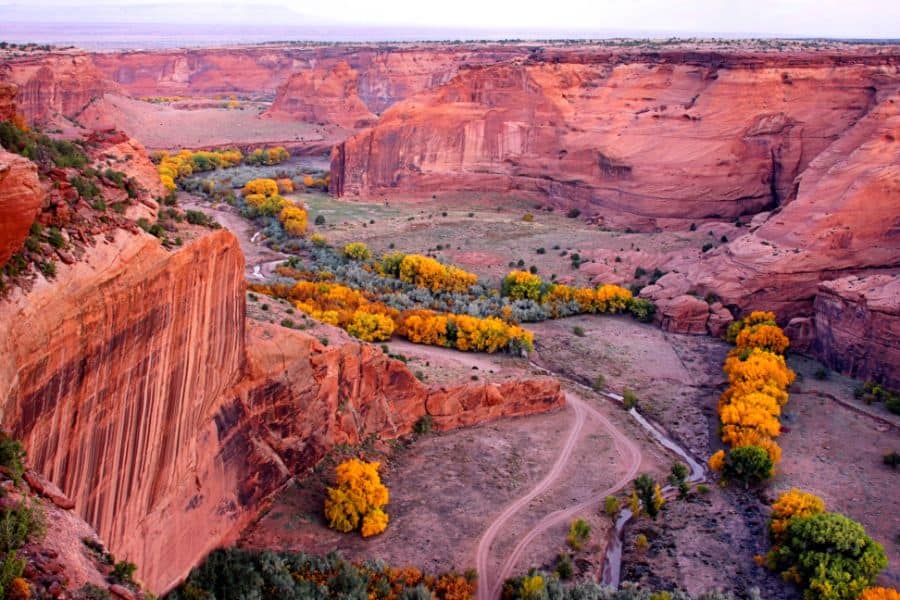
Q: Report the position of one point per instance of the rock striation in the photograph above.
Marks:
(387, 73)
(21, 196)
(55, 84)
(683, 135)
(142, 394)
(857, 321)
(323, 97)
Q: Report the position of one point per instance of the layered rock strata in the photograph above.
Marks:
(139, 390)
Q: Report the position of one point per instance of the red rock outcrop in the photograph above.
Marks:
(7, 100)
(56, 83)
(661, 135)
(857, 322)
(387, 73)
(845, 220)
(21, 196)
(323, 97)
(142, 395)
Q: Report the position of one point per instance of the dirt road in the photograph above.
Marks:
(490, 586)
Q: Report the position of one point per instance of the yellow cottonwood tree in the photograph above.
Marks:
(358, 499)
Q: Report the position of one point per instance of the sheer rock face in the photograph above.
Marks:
(845, 220)
(56, 83)
(386, 74)
(653, 135)
(7, 100)
(323, 97)
(139, 391)
(20, 200)
(858, 326)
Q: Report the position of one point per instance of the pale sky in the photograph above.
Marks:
(801, 18)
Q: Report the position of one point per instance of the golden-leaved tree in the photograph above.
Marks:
(358, 499)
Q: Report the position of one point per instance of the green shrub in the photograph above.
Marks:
(579, 534)
(578, 330)
(12, 456)
(629, 399)
(830, 556)
(123, 572)
(599, 383)
(611, 506)
(423, 425)
(748, 465)
(54, 236)
(648, 493)
(48, 268)
(89, 591)
(564, 567)
(573, 213)
(678, 479)
(642, 309)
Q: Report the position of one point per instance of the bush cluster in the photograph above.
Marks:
(827, 554)
(236, 574)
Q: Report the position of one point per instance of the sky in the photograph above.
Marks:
(794, 18)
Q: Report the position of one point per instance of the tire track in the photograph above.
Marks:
(489, 587)
(487, 539)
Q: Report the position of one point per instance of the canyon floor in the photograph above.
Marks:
(449, 488)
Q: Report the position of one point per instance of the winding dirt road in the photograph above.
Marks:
(490, 586)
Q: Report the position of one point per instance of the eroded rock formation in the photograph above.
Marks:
(20, 200)
(387, 73)
(323, 97)
(56, 83)
(143, 395)
(660, 135)
(857, 321)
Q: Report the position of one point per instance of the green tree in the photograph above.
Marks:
(830, 556)
(648, 492)
(747, 464)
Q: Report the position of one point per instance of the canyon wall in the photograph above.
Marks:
(20, 200)
(54, 84)
(323, 97)
(844, 221)
(857, 321)
(137, 388)
(387, 73)
(685, 135)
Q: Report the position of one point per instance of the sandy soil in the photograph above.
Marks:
(836, 452)
(495, 236)
(160, 126)
(675, 377)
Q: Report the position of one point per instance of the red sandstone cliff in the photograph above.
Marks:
(56, 83)
(845, 219)
(678, 135)
(20, 200)
(140, 391)
(387, 73)
(7, 100)
(323, 97)
(857, 324)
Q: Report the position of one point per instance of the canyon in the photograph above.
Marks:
(170, 420)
